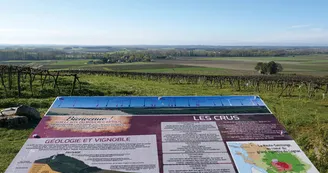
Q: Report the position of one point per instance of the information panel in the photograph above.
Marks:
(214, 134)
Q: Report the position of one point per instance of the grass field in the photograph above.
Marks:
(305, 119)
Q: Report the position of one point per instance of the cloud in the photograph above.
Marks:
(300, 26)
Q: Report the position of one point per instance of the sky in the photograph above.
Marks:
(164, 22)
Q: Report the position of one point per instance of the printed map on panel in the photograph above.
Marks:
(269, 157)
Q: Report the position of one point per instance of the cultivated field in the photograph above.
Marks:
(308, 65)
(305, 65)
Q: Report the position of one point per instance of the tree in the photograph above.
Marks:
(272, 67)
(146, 58)
(104, 60)
(259, 66)
(280, 68)
(268, 68)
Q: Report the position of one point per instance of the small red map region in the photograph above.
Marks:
(281, 166)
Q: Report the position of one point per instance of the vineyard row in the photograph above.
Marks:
(285, 84)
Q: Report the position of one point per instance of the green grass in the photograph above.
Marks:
(11, 141)
(305, 119)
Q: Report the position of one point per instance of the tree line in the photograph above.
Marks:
(117, 58)
(46, 55)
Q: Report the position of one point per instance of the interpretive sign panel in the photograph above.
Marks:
(220, 134)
